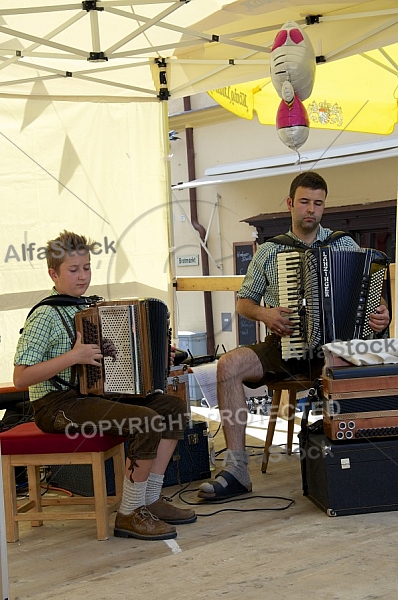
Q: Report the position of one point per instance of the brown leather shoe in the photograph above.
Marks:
(167, 512)
(143, 525)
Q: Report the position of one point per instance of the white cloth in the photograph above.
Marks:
(366, 352)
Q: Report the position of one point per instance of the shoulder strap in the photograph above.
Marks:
(57, 380)
(335, 235)
(286, 240)
(65, 300)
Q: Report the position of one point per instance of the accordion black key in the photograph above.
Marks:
(332, 293)
(135, 337)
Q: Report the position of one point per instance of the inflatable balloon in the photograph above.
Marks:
(293, 59)
(292, 120)
(292, 66)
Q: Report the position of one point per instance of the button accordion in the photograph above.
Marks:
(135, 337)
(331, 292)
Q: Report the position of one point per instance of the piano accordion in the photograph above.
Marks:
(332, 293)
(135, 339)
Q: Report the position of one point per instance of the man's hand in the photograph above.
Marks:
(380, 319)
(277, 321)
(86, 354)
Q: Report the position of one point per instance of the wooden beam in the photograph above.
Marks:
(209, 283)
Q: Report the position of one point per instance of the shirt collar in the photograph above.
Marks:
(321, 235)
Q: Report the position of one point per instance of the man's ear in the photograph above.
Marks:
(289, 203)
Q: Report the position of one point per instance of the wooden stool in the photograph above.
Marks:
(26, 445)
(292, 386)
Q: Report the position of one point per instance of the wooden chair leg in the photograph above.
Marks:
(10, 500)
(34, 491)
(271, 428)
(100, 494)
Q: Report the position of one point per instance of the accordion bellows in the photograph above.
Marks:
(134, 336)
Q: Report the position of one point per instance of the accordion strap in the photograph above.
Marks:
(286, 240)
(57, 380)
(65, 300)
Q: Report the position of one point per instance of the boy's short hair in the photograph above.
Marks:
(65, 244)
(308, 179)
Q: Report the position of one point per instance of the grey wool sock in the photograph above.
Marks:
(235, 463)
(133, 496)
(153, 488)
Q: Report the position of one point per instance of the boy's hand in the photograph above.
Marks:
(86, 354)
(172, 355)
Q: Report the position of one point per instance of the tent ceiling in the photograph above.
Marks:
(132, 50)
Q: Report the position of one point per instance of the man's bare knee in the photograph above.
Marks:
(240, 364)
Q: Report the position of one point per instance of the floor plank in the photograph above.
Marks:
(274, 554)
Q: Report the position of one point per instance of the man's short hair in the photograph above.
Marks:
(308, 179)
(66, 243)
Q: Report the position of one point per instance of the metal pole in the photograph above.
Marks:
(3, 542)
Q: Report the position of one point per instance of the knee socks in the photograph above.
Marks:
(153, 488)
(133, 496)
(139, 493)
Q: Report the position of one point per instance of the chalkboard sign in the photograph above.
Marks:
(247, 332)
(243, 253)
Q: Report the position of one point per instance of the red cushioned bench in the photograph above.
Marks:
(26, 445)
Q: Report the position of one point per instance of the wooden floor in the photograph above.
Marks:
(273, 554)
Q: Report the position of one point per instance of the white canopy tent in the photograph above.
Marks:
(135, 49)
(83, 122)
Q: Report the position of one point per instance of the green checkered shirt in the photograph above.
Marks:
(261, 279)
(44, 337)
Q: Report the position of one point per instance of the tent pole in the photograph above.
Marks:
(169, 210)
(4, 582)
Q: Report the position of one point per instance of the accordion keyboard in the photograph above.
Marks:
(288, 268)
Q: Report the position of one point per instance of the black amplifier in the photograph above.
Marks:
(189, 463)
(342, 478)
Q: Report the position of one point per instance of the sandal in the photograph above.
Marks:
(234, 488)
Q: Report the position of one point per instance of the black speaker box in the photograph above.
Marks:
(350, 478)
(78, 479)
(189, 463)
